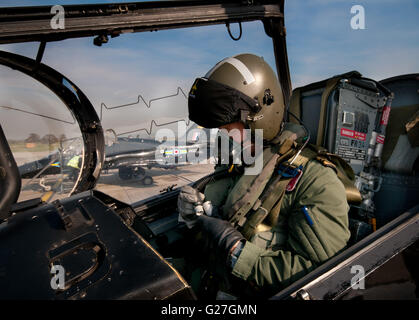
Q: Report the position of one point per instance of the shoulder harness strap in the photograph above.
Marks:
(264, 213)
(237, 212)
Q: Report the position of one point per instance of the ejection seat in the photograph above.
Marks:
(341, 114)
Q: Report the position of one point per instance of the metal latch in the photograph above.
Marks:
(303, 295)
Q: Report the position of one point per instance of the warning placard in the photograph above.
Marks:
(385, 115)
(353, 134)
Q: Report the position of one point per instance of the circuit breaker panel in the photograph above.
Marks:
(357, 112)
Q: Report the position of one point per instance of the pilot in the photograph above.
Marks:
(271, 227)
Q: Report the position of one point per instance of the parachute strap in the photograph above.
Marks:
(236, 212)
(265, 212)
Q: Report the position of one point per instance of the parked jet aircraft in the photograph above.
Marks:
(130, 156)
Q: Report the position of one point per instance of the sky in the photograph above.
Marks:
(320, 41)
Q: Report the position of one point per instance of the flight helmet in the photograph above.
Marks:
(239, 88)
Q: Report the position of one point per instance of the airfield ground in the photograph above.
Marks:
(128, 191)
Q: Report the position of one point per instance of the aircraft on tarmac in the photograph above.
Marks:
(130, 156)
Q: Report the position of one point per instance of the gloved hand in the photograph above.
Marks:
(189, 204)
(220, 233)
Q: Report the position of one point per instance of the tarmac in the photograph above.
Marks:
(128, 191)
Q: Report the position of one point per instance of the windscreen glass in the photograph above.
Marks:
(139, 85)
(43, 135)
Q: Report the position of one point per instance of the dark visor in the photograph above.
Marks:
(212, 104)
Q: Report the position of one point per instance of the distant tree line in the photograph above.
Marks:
(46, 139)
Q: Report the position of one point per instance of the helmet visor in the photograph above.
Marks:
(212, 104)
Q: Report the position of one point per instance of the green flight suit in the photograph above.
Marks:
(292, 248)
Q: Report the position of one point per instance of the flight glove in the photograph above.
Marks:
(221, 235)
(190, 205)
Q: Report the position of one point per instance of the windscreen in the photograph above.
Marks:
(139, 85)
(43, 135)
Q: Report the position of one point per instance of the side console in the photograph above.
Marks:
(83, 247)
